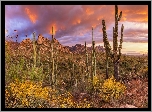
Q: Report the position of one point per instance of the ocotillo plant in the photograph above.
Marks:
(114, 55)
(34, 49)
(53, 75)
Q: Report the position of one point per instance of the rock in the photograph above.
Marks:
(127, 106)
(80, 49)
(40, 39)
(26, 41)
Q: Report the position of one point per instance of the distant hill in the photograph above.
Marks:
(80, 49)
(44, 46)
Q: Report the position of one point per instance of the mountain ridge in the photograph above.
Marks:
(44, 45)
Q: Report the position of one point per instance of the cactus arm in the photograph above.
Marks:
(120, 16)
(121, 39)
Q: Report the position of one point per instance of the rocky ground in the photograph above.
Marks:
(136, 96)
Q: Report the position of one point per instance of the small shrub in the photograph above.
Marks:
(111, 89)
(25, 94)
(29, 94)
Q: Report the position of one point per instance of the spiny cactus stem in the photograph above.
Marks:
(72, 75)
(34, 49)
(106, 65)
(94, 66)
(105, 39)
(94, 57)
(92, 34)
(53, 75)
(116, 48)
(86, 58)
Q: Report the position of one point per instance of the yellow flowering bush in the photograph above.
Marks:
(64, 100)
(29, 94)
(82, 104)
(112, 89)
(26, 94)
(95, 80)
(96, 83)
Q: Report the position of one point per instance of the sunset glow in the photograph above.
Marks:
(32, 16)
(72, 24)
(54, 28)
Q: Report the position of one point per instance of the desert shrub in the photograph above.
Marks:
(30, 94)
(95, 81)
(143, 72)
(14, 68)
(111, 89)
(83, 104)
(35, 73)
(26, 94)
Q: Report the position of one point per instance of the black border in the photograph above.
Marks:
(3, 3)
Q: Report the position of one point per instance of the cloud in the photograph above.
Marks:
(73, 23)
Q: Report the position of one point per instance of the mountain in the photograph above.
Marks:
(80, 49)
(44, 47)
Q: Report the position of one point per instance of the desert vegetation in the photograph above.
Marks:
(38, 74)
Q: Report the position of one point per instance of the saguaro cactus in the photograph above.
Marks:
(94, 60)
(109, 53)
(72, 65)
(86, 62)
(93, 66)
(53, 75)
(106, 45)
(73, 75)
(34, 49)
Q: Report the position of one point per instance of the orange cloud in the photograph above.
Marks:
(135, 13)
(89, 11)
(31, 15)
(142, 12)
(94, 25)
(78, 21)
(62, 27)
(99, 18)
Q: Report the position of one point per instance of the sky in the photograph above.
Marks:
(73, 24)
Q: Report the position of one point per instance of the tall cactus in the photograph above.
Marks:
(72, 64)
(109, 53)
(107, 46)
(34, 49)
(93, 66)
(86, 62)
(92, 62)
(53, 75)
(73, 75)
(115, 43)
